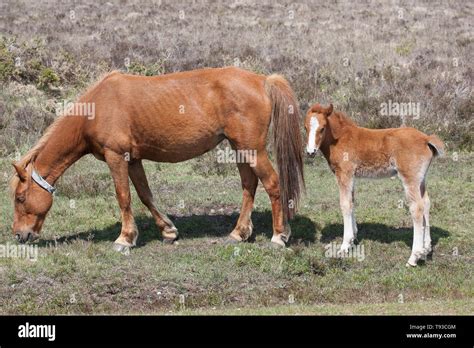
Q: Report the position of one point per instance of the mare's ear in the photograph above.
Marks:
(22, 173)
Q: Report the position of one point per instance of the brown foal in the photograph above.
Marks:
(353, 151)
(170, 118)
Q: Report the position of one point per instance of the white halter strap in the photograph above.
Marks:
(40, 181)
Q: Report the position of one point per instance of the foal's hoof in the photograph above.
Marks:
(344, 250)
(415, 257)
(122, 248)
(341, 253)
(412, 261)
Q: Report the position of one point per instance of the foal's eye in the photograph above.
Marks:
(20, 199)
(322, 129)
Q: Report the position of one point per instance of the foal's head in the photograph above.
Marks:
(315, 124)
(32, 203)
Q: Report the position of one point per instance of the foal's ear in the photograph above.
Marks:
(22, 174)
(329, 110)
(318, 108)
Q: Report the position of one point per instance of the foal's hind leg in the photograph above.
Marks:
(119, 170)
(244, 227)
(137, 174)
(426, 219)
(416, 204)
(354, 223)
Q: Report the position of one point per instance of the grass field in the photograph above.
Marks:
(358, 56)
(78, 272)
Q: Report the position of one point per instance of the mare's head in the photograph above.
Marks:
(31, 201)
(316, 123)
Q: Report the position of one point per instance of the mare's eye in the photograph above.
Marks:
(20, 199)
(322, 129)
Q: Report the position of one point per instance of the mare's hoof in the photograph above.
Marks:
(170, 241)
(231, 241)
(277, 242)
(276, 246)
(124, 249)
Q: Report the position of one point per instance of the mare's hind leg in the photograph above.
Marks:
(139, 180)
(265, 172)
(119, 169)
(417, 206)
(244, 227)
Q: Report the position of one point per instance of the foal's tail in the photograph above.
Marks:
(436, 145)
(287, 143)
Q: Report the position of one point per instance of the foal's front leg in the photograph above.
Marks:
(346, 182)
(119, 170)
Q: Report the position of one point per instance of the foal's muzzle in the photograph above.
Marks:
(311, 153)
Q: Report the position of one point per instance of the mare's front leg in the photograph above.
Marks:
(119, 170)
(345, 181)
(139, 180)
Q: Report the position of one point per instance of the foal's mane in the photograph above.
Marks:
(343, 118)
(340, 123)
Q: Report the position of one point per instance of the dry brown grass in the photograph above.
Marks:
(356, 57)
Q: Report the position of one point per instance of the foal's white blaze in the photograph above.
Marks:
(313, 127)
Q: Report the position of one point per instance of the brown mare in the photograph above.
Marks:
(353, 151)
(170, 118)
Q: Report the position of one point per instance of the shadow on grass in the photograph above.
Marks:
(197, 226)
(381, 233)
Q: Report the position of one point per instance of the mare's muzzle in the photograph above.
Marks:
(26, 236)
